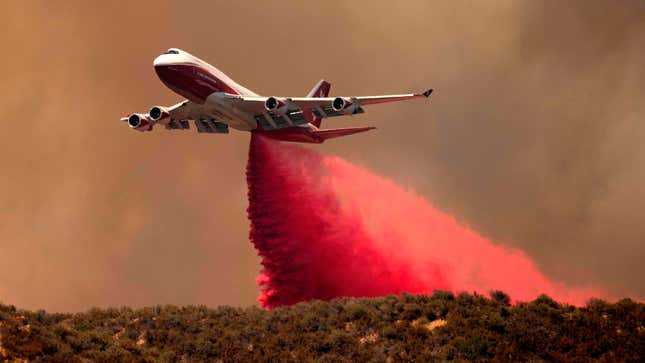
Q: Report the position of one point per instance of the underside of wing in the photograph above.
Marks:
(211, 127)
(183, 111)
(338, 104)
(177, 117)
(277, 112)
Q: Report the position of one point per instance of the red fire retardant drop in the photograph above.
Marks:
(325, 228)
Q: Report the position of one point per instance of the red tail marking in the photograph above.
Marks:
(321, 89)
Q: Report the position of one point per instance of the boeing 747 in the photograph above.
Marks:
(216, 103)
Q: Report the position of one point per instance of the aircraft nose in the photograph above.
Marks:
(161, 60)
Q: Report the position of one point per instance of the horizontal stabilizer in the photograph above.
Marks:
(330, 134)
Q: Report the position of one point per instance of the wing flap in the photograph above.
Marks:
(211, 127)
(173, 124)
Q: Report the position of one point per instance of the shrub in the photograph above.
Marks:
(395, 328)
(500, 297)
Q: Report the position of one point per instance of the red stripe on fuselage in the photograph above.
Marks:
(192, 81)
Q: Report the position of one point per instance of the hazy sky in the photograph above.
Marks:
(534, 136)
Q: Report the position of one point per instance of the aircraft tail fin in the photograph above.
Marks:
(321, 89)
(330, 134)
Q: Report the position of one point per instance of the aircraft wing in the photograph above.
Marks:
(176, 117)
(182, 110)
(179, 114)
(257, 103)
(294, 108)
(306, 102)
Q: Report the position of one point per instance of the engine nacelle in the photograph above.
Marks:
(344, 105)
(139, 122)
(158, 113)
(276, 105)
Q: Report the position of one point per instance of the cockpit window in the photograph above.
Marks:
(172, 51)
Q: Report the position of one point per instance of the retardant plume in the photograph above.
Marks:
(325, 228)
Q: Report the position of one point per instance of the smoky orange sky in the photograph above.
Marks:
(533, 138)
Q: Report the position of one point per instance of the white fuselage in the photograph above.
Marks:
(204, 85)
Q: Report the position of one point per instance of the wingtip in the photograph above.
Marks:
(427, 93)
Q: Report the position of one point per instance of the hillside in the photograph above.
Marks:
(392, 328)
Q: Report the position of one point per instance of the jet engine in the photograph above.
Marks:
(276, 105)
(139, 122)
(343, 105)
(158, 113)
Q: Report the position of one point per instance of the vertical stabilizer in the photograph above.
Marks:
(321, 89)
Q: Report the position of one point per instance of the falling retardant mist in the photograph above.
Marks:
(325, 228)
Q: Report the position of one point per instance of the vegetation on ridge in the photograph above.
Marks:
(387, 329)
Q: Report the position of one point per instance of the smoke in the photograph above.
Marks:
(533, 137)
(325, 228)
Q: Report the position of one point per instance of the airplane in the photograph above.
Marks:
(214, 102)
